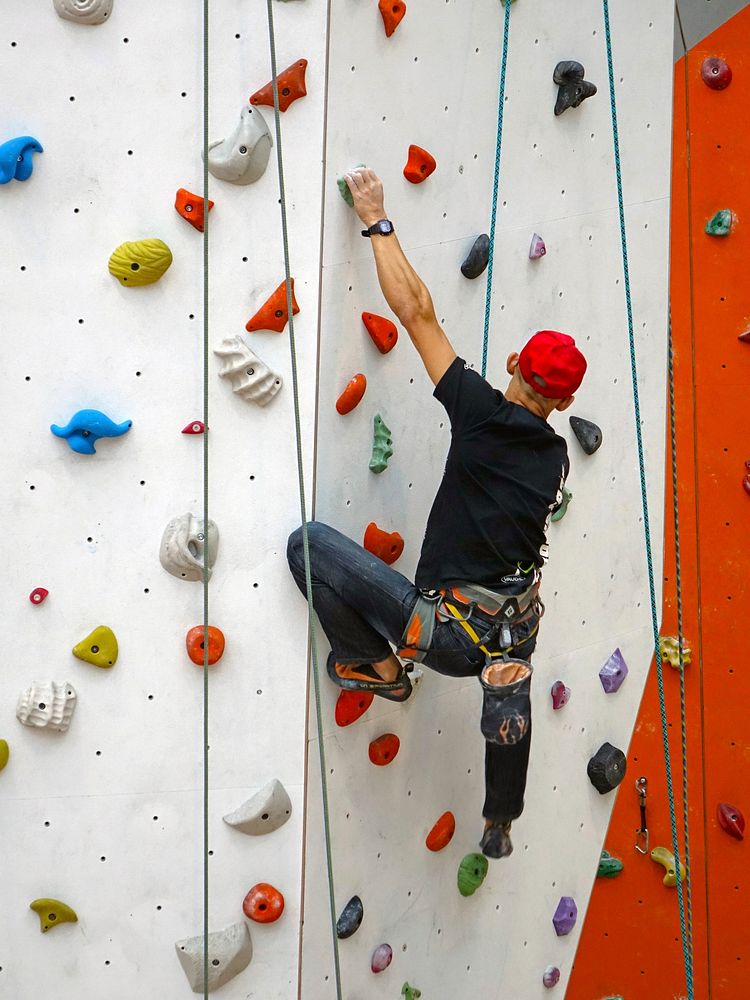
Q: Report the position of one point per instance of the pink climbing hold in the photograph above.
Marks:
(538, 248)
(37, 595)
(560, 695)
(716, 73)
(731, 819)
(551, 976)
(381, 958)
(196, 427)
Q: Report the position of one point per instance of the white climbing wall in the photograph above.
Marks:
(108, 816)
(434, 83)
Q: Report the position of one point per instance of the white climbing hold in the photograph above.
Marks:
(183, 544)
(251, 378)
(229, 952)
(266, 811)
(243, 157)
(84, 11)
(47, 705)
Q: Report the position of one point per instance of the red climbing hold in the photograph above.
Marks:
(196, 427)
(442, 832)
(420, 165)
(383, 332)
(353, 393)
(37, 595)
(352, 705)
(194, 643)
(393, 14)
(384, 749)
(291, 82)
(731, 820)
(273, 314)
(385, 546)
(746, 480)
(191, 208)
(263, 903)
(744, 338)
(716, 73)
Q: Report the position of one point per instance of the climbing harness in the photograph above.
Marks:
(641, 834)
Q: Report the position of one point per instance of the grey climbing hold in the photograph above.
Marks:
(350, 919)
(47, 705)
(565, 916)
(250, 377)
(588, 433)
(229, 952)
(537, 248)
(606, 768)
(183, 544)
(573, 89)
(614, 672)
(243, 157)
(84, 11)
(265, 812)
(344, 187)
(478, 257)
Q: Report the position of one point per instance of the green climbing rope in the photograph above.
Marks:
(686, 943)
(303, 504)
(495, 184)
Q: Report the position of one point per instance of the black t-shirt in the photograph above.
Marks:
(503, 479)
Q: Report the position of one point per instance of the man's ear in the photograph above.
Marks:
(512, 363)
(565, 403)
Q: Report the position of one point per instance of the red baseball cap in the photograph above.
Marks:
(554, 358)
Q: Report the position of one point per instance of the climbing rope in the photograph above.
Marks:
(686, 942)
(495, 183)
(303, 504)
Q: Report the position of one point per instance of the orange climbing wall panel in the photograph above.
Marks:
(631, 943)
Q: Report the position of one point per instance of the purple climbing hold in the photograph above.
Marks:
(537, 248)
(716, 73)
(551, 976)
(614, 672)
(560, 695)
(381, 958)
(565, 916)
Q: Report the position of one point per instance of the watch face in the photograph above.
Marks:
(384, 227)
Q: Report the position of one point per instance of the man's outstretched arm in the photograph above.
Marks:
(404, 290)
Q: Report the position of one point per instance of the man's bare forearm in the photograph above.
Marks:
(404, 290)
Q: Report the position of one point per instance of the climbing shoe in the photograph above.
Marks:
(496, 842)
(364, 677)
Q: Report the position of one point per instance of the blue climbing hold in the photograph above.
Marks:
(15, 158)
(85, 428)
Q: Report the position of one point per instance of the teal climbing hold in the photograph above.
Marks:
(471, 873)
(382, 445)
(720, 224)
(344, 187)
(561, 511)
(609, 866)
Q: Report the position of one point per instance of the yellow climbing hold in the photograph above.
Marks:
(4, 753)
(664, 857)
(52, 912)
(669, 650)
(99, 647)
(140, 263)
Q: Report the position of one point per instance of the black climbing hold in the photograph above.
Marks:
(588, 433)
(350, 919)
(574, 89)
(606, 769)
(479, 255)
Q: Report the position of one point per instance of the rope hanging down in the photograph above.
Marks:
(686, 941)
(303, 504)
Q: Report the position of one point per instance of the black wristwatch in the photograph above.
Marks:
(383, 228)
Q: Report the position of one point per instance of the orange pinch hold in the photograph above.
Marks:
(273, 314)
(420, 165)
(352, 705)
(386, 546)
(194, 644)
(263, 903)
(353, 393)
(382, 331)
(393, 14)
(383, 750)
(442, 832)
(291, 84)
(190, 207)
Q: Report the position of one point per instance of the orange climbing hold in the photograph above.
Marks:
(291, 87)
(384, 749)
(190, 207)
(194, 643)
(442, 832)
(386, 546)
(263, 903)
(273, 314)
(420, 165)
(352, 705)
(353, 393)
(393, 14)
(383, 332)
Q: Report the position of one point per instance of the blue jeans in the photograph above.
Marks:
(364, 605)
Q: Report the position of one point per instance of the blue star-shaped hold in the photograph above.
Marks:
(85, 428)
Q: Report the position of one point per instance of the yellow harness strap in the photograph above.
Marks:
(465, 625)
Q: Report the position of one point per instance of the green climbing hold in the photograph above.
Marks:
(410, 992)
(561, 511)
(471, 873)
(381, 448)
(344, 187)
(609, 867)
(720, 224)
(52, 912)
(4, 753)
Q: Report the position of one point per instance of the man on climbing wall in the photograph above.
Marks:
(475, 608)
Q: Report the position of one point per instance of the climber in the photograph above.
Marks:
(476, 598)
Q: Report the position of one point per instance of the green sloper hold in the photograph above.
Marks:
(344, 187)
(52, 912)
(410, 992)
(720, 224)
(99, 647)
(609, 867)
(561, 511)
(381, 448)
(471, 873)
(4, 753)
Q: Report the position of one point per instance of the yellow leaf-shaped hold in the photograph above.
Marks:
(52, 912)
(140, 263)
(4, 753)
